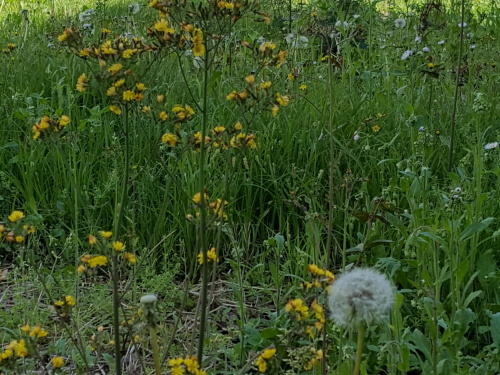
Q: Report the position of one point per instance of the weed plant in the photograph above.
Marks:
(188, 186)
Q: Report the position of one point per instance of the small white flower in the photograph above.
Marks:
(418, 39)
(472, 46)
(491, 146)
(421, 129)
(406, 54)
(426, 49)
(346, 24)
(458, 190)
(261, 40)
(360, 296)
(462, 24)
(134, 8)
(400, 23)
(86, 25)
(356, 16)
(356, 137)
(289, 38)
(148, 299)
(338, 23)
(455, 196)
(441, 42)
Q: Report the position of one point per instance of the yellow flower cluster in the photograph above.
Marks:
(266, 53)
(183, 112)
(321, 278)
(47, 125)
(297, 309)
(68, 301)
(263, 359)
(211, 256)
(10, 47)
(17, 232)
(94, 261)
(188, 365)
(14, 349)
(317, 355)
(217, 207)
(198, 46)
(81, 83)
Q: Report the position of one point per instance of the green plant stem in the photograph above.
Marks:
(118, 219)
(329, 233)
(156, 350)
(203, 214)
(359, 349)
(455, 97)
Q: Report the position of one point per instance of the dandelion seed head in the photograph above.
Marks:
(418, 39)
(472, 46)
(360, 296)
(148, 299)
(134, 8)
(461, 25)
(400, 23)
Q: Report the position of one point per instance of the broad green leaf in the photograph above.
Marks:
(475, 228)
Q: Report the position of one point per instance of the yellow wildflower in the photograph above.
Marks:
(99, 260)
(38, 332)
(57, 362)
(129, 257)
(211, 256)
(128, 95)
(141, 86)
(115, 109)
(119, 83)
(118, 246)
(81, 268)
(128, 53)
(376, 128)
(115, 68)
(70, 301)
(250, 79)
(111, 91)
(81, 83)
(64, 120)
(170, 139)
(26, 328)
(163, 116)
(15, 216)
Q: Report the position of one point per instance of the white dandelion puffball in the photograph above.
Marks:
(360, 296)
(134, 8)
(148, 299)
(400, 23)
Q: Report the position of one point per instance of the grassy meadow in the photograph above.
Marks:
(247, 187)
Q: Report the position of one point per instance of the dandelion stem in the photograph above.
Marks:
(455, 97)
(156, 350)
(359, 349)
